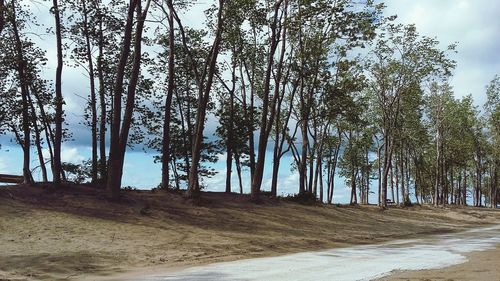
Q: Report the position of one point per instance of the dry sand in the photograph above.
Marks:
(481, 266)
(78, 234)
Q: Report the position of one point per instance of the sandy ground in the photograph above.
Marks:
(480, 266)
(78, 234)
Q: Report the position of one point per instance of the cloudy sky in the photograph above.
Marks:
(473, 24)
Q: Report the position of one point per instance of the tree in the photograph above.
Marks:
(58, 96)
(492, 109)
(119, 130)
(204, 81)
(168, 99)
(401, 60)
(23, 84)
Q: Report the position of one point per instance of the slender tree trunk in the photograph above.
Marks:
(403, 176)
(354, 200)
(464, 191)
(249, 118)
(333, 165)
(185, 132)
(168, 100)
(21, 64)
(477, 185)
(38, 143)
(204, 94)
(132, 86)
(458, 198)
(379, 155)
(93, 101)
(495, 183)
(367, 177)
(321, 182)
(264, 132)
(230, 131)
(417, 181)
(58, 98)
(317, 173)
(303, 158)
(114, 172)
(452, 183)
(395, 174)
(437, 171)
(102, 103)
(248, 112)
(49, 136)
(238, 170)
(392, 180)
(279, 142)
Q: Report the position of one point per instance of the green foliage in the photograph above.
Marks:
(305, 198)
(78, 173)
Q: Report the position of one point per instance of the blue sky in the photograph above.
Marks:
(472, 23)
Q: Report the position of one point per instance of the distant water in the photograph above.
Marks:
(355, 263)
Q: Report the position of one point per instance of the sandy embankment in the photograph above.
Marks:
(480, 266)
(77, 234)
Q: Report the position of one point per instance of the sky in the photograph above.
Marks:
(473, 24)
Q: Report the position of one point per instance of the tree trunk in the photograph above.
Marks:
(165, 160)
(204, 94)
(354, 200)
(21, 64)
(379, 154)
(264, 131)
(321, 181)
(58, 98)
(102, 102)
(49, 136)
(452, 183)
(93, 101)
(132, 86)
(495, 183)
(392, 180)
(38, 143)
(238, 170)
(437, 171)
(368, 168)
(230, 130)
(464, 191)
(115, 166)
(279, 142)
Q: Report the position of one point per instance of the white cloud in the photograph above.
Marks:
(71, 154)
(473, 24)
(68, 154)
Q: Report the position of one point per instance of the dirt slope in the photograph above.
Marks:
(76, 233)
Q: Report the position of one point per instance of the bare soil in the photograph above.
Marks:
(480, 266)
(77, 233)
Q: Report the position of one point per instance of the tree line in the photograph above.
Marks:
(337, 86)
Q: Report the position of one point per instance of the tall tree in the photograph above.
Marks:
(401, 59)
(119, 130)
(492, 108)
(266, 121)
(58, 96)
(204, 80)
(168, 99)
(23, 81)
